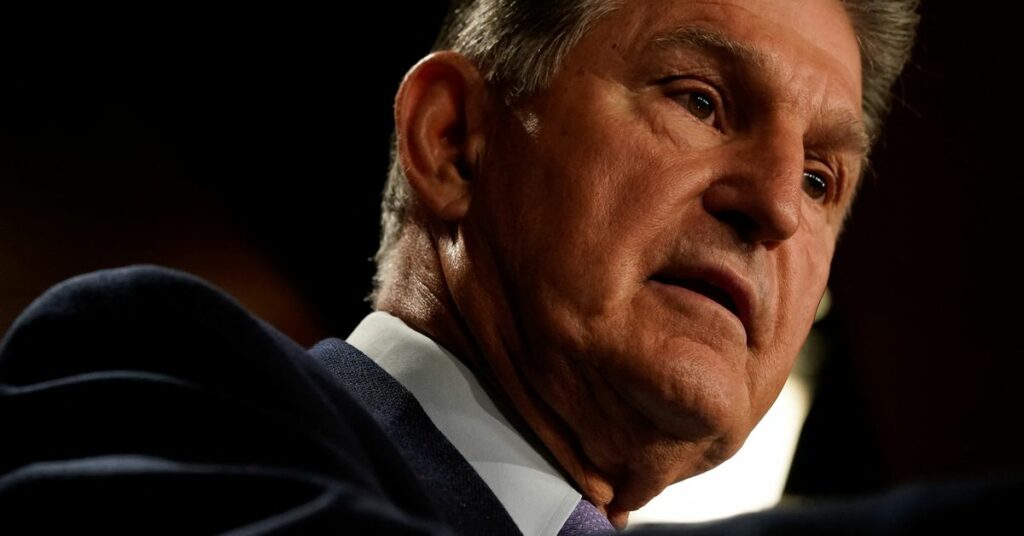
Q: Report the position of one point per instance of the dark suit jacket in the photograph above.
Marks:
(145, 400)
(142, 400)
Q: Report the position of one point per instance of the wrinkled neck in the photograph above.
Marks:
(459, 303)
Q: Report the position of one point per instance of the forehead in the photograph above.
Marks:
(807, 48)
(816, 30)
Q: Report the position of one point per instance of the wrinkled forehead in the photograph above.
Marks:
(790, 37)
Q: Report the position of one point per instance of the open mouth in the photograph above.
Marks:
(701, 286)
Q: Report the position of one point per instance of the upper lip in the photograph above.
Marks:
(713, 282)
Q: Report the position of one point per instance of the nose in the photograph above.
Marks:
(759, 191)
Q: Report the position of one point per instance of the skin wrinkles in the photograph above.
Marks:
(804, 218)
(548, 277)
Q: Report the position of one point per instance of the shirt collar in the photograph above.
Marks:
(536, 496)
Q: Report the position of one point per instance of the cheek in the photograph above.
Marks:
(803, 268)
(808, 260)
(806, 267)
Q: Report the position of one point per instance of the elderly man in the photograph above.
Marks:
(606, 231)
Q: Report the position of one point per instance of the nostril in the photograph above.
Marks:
(740, 221)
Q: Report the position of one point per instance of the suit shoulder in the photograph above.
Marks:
(148, 384)
(139, 317)
(115, 288)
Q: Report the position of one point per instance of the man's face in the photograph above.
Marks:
(662, 219)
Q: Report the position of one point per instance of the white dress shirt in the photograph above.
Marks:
(534, 493)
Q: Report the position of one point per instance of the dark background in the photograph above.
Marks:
(250, 147)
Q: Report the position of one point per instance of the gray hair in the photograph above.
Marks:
(520, 44)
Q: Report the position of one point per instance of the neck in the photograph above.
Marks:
(434, 291)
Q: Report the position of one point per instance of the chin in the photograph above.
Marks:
(657, 440)
(654, 466)
(685, 388)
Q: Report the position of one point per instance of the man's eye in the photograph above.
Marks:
(700, 104)
(815, 184)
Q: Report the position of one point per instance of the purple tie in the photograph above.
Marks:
(585, 520)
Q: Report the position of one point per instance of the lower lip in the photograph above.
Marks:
(690, 301)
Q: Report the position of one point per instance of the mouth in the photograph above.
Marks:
(706, 288)
(724, 287)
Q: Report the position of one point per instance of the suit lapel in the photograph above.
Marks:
(458, 494)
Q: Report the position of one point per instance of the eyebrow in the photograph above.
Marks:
(711, 42)
(841, 130)
(838, 129)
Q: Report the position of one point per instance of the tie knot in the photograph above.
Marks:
(586, 520)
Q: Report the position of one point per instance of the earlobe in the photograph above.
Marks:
(439, 114)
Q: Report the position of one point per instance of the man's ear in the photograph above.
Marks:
(439, 119)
